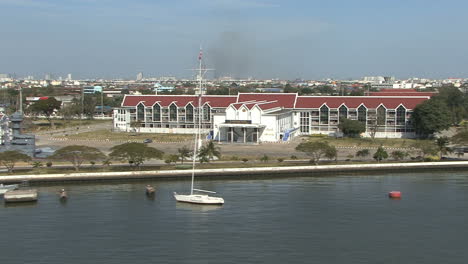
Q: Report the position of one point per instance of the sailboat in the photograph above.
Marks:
(202, 196)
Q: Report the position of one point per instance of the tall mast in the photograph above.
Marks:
(197, 144)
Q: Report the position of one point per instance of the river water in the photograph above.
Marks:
(341, 219)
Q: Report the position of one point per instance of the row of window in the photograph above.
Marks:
(156, 110)
(343, 112)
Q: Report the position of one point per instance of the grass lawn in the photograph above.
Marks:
(44, 125)
(105, 134)
(367, 142)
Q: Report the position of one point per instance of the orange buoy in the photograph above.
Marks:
(394, 194)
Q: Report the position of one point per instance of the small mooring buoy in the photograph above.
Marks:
(63, 195)
(149, 190)
(394, 194)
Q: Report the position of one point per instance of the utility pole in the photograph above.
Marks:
(102, 102)
(82, 102)
(20, 100)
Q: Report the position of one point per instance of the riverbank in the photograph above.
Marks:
(238, 172)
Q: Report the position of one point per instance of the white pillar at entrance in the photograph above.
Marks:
(256, 131)
(232, 135)
(244, 133)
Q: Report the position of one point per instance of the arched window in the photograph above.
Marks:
(324, 113)
(362, 114)
(206, 112)
(381, 115)
(189, 113)
(156, 112)
(141, 112)
(400, 116)
(342, 112)
(173, 112)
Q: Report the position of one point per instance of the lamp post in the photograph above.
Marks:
(102, 102)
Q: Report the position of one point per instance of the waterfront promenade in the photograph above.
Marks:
(237, 172)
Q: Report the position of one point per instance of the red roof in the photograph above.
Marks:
(273, 100)
(356, 101)
(179, 100)
(286, 100)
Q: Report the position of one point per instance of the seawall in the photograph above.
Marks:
(238, 172)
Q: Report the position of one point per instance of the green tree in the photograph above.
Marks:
(362, 153)
(454, 100)
(317, 150)
(442, 145)
(77, 154)
(264, 158)
(46, 107)
(135, 153)
(209, 151)
(9, 159)
(89, 104)
(430, 117)
(351, 128)
(184, 153)
(399, 155)
(380, 154)
(425, 148)
(331, 153)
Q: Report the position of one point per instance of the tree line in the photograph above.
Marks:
(133, 153)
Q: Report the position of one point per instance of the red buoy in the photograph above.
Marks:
(394, 194)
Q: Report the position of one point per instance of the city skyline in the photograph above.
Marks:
(259, 39)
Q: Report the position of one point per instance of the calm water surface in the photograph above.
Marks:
(343, 219)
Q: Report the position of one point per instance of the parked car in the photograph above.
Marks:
(148, 140)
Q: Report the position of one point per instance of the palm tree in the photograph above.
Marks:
(209, 151)
(184, 152)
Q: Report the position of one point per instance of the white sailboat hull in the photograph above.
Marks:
(198, 199)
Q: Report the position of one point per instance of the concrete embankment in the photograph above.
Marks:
(239, 172)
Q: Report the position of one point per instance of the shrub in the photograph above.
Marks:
(245, 160)
(265, 158)
(37, 164)
(280, 160)
(49, 164)
(293, 157)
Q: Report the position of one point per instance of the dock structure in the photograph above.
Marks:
(20, 196)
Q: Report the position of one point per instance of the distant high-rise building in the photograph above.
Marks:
(69, 77)
(48, 76)
(139, 76)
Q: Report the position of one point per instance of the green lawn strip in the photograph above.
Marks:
(44, 125)
(367, 142)
(105, 134)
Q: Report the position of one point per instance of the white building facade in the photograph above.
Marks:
(266, 117)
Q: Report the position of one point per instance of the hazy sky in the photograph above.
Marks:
(290, 39)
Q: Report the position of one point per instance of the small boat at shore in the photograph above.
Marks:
(21, 196)
(8, 187)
